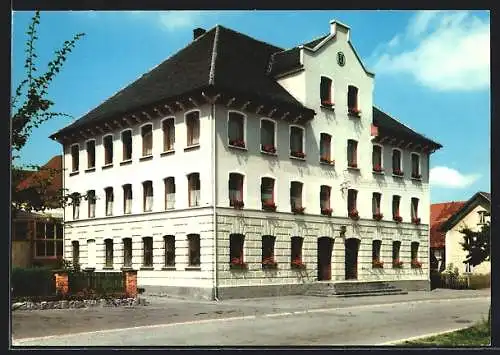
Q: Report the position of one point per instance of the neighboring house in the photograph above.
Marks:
(37, 237)
(440, 212)
(473, 214)
(229, 166)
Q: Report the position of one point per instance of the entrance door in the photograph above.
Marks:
(351, 258)
(325, 246)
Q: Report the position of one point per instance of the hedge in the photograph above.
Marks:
(38, 281)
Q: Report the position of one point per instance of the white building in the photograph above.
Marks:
(215, 174)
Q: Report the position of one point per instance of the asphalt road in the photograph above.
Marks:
(373, 324)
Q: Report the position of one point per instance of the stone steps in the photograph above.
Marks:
(353, 289)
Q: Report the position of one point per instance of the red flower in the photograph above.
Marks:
(354, 215)
(297, 264)
(269, 206)
(354, 111)
(377, 168)
(377, 264)
(327, 103)
(237, 143)
(397, 263)
(326, 159)
(398, 218)
(326, 211)
(378, 216)
(269, 148)
(416, 264)
(416, 220)
(298, 210)
(298, 154)
(353, 165)
(397, 172)
(238, 204)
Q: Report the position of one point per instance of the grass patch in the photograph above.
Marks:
(477, 335)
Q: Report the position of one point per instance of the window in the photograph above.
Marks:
(235, 190)
(236, 133)
(108, 149)
(415, 166)
(396, 162)
(147, 201)
(147, 140)
(127, 145)
(91, 203)
(193, 128)
(352, 153)
(396, 246)
(168, 127)
(267, 191)
(169, 244)
(296, 196)
(75, 158)
(75, 202)
(326, 91)
(147, 248)
(169, 193)
(395, 208)
(324, 199)
(414, 251)
(352, 196)
(377, 158)
(325, 150)
(91, 154)
(194, 189)
(268, 249)
(296, 251)
(352, 99)
(127, 198)
(482, 217)
(194, 249)
(297, 142)
(376, 205)
(109, 252)
(236, 243)
(414, 210)
(91, 253)
(48, 240)
(267, 133)
(21, 230)
(127, 252)
(109, 200)
(376, 246)
(76, 253)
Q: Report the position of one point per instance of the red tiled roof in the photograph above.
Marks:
(43, 173)
(440, 212)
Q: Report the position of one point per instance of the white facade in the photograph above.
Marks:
(213, 220)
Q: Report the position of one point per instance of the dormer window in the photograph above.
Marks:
(326, 91)
(193, 128)
(297, 142)
(352, 101)
(147, 140)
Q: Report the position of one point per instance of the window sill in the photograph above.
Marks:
(398, 176)
(353, 168)
(167, 152)
(328, 106)
(109, 215)
(236, 147)
(268, 153)
(108, 268)
(107, 166)
(126, 268)
(193, 268)
(127, 213)
(332, 163)
(89, 269)
(125, 162)
(192, 147)
(147, 268)
(297, 158)
(90, 170)
(147, 211)
(378, 172)
(169, 268)
(73, 173)
(354, 114)
(146, 157)
(169, 208)
(417, 179)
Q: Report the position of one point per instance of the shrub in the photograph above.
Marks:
(37, 281)
(477, 282)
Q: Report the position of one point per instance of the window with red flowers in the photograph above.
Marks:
(236, 190)
(236, 246)
(415, 166)
(395, 207)
(267, 191)
(396, 247)
(296, 196)
(377, 158)
(236, 129)
(396, 162)
(352, 99)
(168, 128)
(296, 251)
(193, 128)
(414, 209)
(352, 196)
(268, 249)
(414, 255)
(377, 196)
(324, 199)
(326, 91)
(267, 136)
(352, 153)
(376, 246)
(194, 189)
(325, 148)
(297, 142)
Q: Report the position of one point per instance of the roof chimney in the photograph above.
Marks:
(197, 32)
(338, 27)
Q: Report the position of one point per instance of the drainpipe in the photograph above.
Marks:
(214, 199)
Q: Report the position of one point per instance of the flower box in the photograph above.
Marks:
(268, 148)
(238, 264)
(378, 216)
(354, 215)
(326, 103)
(300, 155)
(377, 264)
(354, 111)
(298, 210)
(397, 172)
(326, 160)
(269, 263)
(416, 176)
(238, 204)
(237, 143)
(352, 165)
(398, 219)
(297, 264)
(377, 169)
(415, 220)
(326, 212)
(269, 206)
(397, 264)
(415, 264)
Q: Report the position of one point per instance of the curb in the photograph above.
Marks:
(401, 341)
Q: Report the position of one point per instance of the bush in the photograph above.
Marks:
(95, 282)
(480, 281)
(38, 281)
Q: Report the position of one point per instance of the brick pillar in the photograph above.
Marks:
(130, 278)
(62, 286)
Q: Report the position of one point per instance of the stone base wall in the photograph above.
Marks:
(180, 292)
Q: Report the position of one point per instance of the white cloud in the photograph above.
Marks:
(394, 41)
(453, 52)
(443, 176)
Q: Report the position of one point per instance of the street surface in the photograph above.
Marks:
(253, 322)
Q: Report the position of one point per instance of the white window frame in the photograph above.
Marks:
(186, 114)
(106, 212)
(419, 162)
(303, 139)
(125, 199)
(190, 202)
(122, 144)
(89, 215)
(275, 187)
(243, 197)
(72, 158)
(400, 159)
(381, 155)
(275, 133)
(147, 207)
(244, 127)
(162, 122)
(87, 151)
(165, 192)
(104, 148)
(142, 139)
(302, 192)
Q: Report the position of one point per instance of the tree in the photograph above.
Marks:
(30, 108)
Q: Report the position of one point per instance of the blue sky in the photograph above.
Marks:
(432, 70)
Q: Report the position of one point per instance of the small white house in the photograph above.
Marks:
(236, 168)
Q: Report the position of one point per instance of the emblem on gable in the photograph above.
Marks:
(341, 59)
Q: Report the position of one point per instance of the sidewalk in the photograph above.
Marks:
(162, 310)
